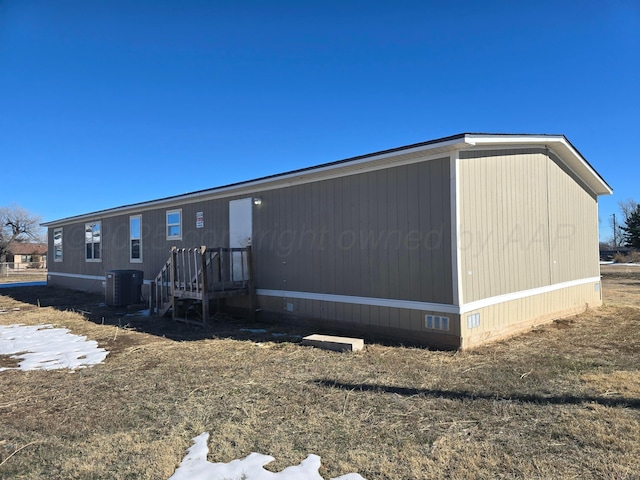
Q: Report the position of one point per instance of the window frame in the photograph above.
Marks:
(138, 238)
(58, 247)
(93, 242)
(178, 224)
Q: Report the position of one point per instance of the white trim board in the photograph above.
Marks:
(378, 302)
(86, 277)
(508, 297)
(425, 306)
(76, 275)
(558, 144)
(394, 303)
(456, 263)
(549, 149)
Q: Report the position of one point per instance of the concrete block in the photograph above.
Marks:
(330, 342)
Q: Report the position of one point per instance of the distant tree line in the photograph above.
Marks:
(626, 227)
(631, 229)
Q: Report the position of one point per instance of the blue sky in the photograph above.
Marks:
(106, 103)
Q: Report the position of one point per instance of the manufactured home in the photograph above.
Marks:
(451, 242)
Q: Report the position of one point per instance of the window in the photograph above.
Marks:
(92, 241)
(437, 323)
(135, 239)
(174, 224)
(57, 245)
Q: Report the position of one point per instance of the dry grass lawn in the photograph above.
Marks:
(561, 401)
(25, 276)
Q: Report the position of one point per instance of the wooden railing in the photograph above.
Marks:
(201, 273)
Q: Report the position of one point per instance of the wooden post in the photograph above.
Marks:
(153, 308)
(219, 300)
(253, 301)
(204, 284)
(173, 275)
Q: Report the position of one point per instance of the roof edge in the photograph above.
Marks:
(560, 144)
(452, 141)
(460, 141)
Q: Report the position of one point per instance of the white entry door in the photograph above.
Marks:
(240, 231)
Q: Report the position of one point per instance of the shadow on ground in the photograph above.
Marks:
(135, 317)
(463, 395)
(266, 329)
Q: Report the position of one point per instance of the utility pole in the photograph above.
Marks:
(615, 234)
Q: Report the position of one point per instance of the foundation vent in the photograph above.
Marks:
(473, 320)
(436, 323)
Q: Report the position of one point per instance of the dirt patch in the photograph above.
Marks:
(6, 361)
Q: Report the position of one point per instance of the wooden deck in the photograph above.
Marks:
(199, 276)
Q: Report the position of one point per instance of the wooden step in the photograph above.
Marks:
(162, 310)
(330, 342)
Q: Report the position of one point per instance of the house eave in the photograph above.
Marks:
(559, 144)
(374, 161)
(350, 166)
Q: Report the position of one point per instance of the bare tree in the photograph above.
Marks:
(16, 225)
(627, 208)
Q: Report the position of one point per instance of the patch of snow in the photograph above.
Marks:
(196, 467)
(620, 264)
(42, 347)
(253, 330)
(139, 313)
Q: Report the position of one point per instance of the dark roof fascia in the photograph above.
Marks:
(444, 140)
(260, 179)
(588, 164)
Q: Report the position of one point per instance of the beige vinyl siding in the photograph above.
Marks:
(524, 223)
(382, 229)
(507, 318)
(115, 239)
(383, 234)
(503, 228)
(410, 327)
(74, 251)
(574, 222)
